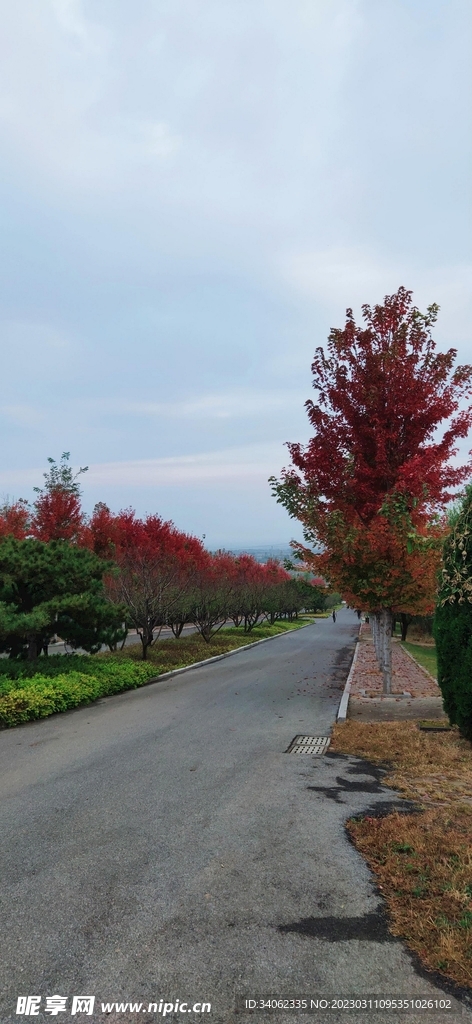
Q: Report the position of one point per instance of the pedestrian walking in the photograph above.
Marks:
(334, 615)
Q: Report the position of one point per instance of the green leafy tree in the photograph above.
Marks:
(314, 597)
(49, 587)
(88, 621)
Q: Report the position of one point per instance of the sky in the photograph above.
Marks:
(192, 192)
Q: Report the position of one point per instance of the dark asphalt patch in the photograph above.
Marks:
(345, 786)
(348, 787)
(369, 928)
(377, 772)
(367, 768)
(386, 807)
(372, 783)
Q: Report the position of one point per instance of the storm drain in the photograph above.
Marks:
(308, 745)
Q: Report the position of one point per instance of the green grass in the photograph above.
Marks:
(425, 656)
(60, 683)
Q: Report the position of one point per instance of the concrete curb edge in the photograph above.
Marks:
(344, 702)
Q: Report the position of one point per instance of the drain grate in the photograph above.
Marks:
(308, 745)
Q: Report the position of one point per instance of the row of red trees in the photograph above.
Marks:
(160, 576)
(166, 577)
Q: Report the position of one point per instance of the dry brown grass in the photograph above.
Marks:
(425, 766)
(423, 861)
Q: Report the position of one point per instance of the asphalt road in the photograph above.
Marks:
(161, 844)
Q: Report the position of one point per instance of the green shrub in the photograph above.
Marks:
(54, 665)
(453, 620)
(453, 632)
(58, 666)
(42, 695)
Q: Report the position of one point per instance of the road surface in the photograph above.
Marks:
(161, 844)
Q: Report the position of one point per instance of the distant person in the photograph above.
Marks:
(334, 615)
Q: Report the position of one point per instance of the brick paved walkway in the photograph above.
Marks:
(407, 675)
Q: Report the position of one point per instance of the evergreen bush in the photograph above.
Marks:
(453, 620)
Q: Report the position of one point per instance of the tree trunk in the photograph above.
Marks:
(32, 647)
(177, 628)
(146, 641)
(381, 624)
(386, 648)
(404, 619)
(374, 624)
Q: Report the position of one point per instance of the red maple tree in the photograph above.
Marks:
(213, 592)
(57, 509)
(256, 589)
(156, 563)
(15, 519)
(370, 485)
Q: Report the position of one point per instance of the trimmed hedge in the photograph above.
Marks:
(45, 695)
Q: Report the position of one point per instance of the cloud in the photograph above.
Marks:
(221, 406)
(156, 138)
(342, 276)
(71, 19)
(34, 350)
(57, 71)
(334, 274)
(15, 479)
(97, 95)
(22, 415)
(33, 337)
(245, 464)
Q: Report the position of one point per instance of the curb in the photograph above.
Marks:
(343, 706)
(218, 657)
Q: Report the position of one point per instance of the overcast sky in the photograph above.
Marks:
(191, 194)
